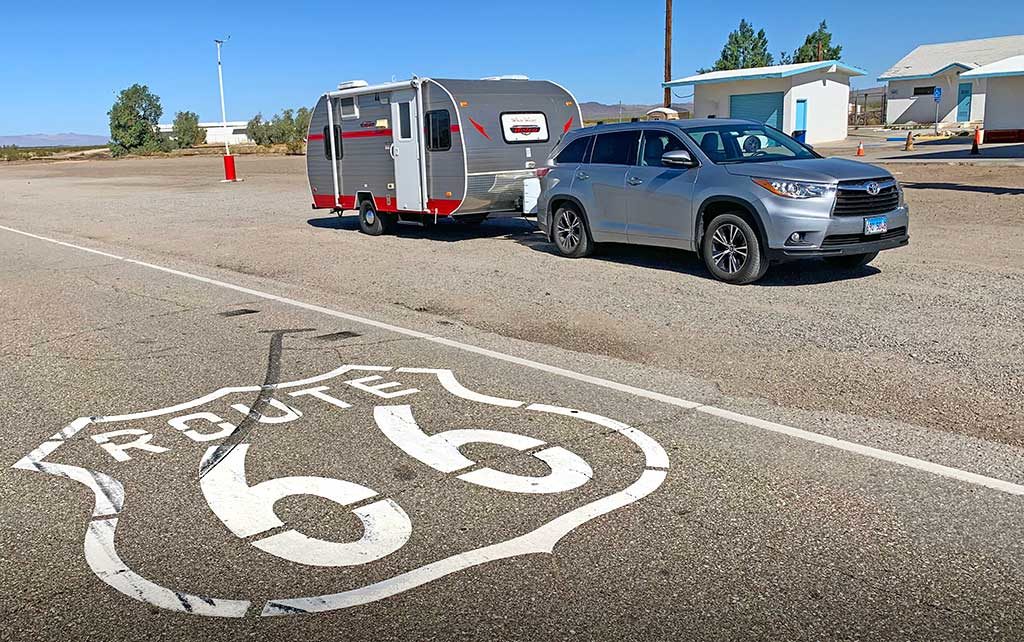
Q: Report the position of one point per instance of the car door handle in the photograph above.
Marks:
(633, 180)
(583, 176)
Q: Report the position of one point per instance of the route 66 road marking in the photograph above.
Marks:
(247, 510)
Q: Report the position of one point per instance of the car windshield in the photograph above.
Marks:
(746, 143)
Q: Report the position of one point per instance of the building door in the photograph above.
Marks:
(963, 103)
(405, 150)
(801, 115)
(763, 108)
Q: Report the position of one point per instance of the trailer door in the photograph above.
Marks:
(405, 150)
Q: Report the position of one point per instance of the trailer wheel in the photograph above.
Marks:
(373, 222)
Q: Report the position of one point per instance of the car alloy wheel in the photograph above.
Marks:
(568, 230)
(729, 248)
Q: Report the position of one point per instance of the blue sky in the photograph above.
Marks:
(64, 62)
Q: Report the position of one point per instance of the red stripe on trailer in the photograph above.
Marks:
(455, 129)
(443, 206)
(325, 201)
(315, 137)
(568, 124)
(367, 134)
(479, 128)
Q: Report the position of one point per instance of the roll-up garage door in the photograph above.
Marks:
(764, 108)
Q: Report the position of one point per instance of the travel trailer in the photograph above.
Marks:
(426, 148)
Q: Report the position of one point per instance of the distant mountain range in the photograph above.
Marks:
(54, 140)
(592, 111)
(599, 111)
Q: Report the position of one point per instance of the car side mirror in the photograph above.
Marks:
(678, 158)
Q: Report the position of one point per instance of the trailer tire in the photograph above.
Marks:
(372, 222)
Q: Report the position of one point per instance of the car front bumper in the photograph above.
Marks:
(835, 236)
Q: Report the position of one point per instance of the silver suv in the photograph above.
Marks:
(740, 193)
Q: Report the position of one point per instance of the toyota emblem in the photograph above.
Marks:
(873, 188)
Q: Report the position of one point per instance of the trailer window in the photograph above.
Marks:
(404, 122)
(349, 109)
(439, 130)
(337, 142)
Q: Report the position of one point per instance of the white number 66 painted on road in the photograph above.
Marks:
(249, 510)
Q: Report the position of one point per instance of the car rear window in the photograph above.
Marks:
(616, 148)
(575, 151)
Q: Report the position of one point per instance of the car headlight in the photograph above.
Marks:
(793, 189)
(899, 189)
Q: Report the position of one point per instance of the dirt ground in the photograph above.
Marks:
(930, 335)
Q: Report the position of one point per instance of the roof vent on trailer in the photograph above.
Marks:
(352, 84)
(507, 77)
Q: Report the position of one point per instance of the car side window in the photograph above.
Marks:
(575, 151)
(616, 148)
(655, 145)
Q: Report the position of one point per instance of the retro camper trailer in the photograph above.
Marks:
(427, 148)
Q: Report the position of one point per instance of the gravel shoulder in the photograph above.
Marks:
(930, 335)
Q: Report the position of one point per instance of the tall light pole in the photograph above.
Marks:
(223, 112)
(668, 51)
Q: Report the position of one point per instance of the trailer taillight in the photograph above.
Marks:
(541, 172)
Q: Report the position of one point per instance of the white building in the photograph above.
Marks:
(663, 113)
(913, 80)
(216, 133)
(1004, 98)
(812, 97)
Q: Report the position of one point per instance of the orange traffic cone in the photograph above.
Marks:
(860, 149)
(977, 141)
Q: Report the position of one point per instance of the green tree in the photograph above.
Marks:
(744, 48)
(818, 46)
(258, 130)
(133, 122)
(288, 127)
(186, 130)
(302, 118)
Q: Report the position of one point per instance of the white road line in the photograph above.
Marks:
(813, 437)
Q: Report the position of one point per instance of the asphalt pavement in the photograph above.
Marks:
(200, 451)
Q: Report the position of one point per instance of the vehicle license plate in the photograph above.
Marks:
(875, 225)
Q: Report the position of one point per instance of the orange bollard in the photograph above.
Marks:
(860, 149)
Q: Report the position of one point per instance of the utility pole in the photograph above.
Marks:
(223, 112)
(229, 160)
(668, 51)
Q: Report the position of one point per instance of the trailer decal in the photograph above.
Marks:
(480, 128)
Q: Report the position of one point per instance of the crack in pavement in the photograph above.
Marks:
(271, 379)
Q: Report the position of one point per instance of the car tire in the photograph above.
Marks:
(732, 250)
(571, 232)
(373, 222)
(851, 261)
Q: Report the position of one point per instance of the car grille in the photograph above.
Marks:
(852, 198)
(836, 240)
